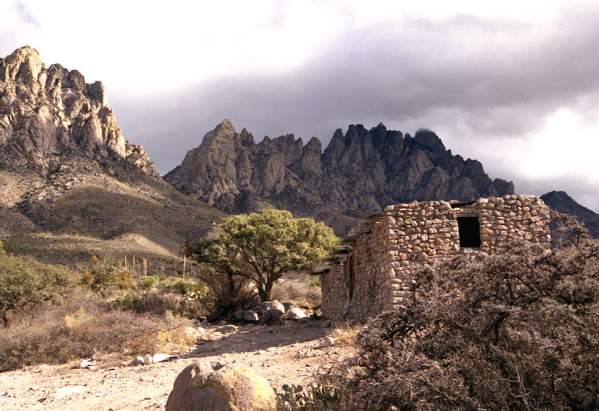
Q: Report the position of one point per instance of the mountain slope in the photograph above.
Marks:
(562, 202)
(66, 167)
(358, 173)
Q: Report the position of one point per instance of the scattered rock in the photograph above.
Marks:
(230, 388)
(69, 390)
(137, 361)
(87, 364)
(295, 313)
(226, 329)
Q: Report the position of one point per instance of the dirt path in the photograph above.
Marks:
(287, 354)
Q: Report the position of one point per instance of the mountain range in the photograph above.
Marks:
(67, 171)
(357, 174)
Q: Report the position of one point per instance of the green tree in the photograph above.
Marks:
(263, 246)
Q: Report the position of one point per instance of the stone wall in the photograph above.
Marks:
(388, 248)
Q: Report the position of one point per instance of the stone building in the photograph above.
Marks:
(374, 265)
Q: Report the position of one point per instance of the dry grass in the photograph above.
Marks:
(345, 335)
(83, 326)
(171, 341)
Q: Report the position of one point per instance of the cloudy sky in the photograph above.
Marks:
(514, 84)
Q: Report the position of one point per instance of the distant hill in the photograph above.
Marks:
(359, 173)
(562, 202)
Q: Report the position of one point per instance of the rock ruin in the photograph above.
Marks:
(374, 266)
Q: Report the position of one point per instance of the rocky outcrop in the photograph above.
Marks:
(560, 201)
(359, 172)
(46, 112)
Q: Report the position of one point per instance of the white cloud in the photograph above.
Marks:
(565, 146)
(163, 45)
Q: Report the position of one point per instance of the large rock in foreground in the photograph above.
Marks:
(198, 388)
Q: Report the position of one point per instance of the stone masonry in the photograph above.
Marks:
(375, 264)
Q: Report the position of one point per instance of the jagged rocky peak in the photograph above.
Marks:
(359, 172)
(47, 112)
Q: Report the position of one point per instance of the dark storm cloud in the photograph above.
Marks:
(480, 78)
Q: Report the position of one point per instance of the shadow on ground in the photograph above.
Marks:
(251, 338)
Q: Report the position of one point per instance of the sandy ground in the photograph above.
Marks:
(287, 354)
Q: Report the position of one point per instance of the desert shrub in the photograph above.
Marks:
(345, 334)
(312, 397)
(80, 326)
(147, 282)
(158, 295)
(106, 277)
(514, 331)
(147, 302)
(27, 282)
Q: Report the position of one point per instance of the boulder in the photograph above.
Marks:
(191, 335)
(230, 388)
(271, 312)
(273, 305)
(295, 313)
(250, 316)
(272, 317)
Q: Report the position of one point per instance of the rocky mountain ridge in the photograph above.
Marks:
(357, 174)
(49, 112)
